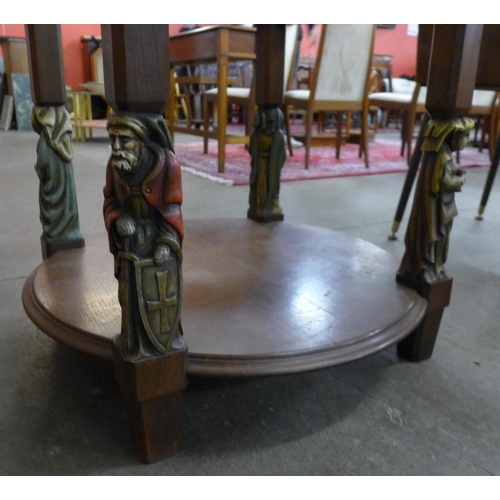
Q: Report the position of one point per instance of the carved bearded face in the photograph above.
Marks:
(126, 149)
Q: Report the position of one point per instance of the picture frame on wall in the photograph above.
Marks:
(7, 111)
(387, 26)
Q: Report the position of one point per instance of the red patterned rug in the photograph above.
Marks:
(384, 159)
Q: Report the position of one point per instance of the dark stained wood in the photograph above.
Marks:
(419, 345)
(153, 388)
(136, 66)
(201, 45)
(424, 47)
(487, 77)
(270, 64)
(451, 81)
(156, 424)
(488, 71)
(45, 55)
(136, 78)
(452, 69)
(489, 180)
(258, 299)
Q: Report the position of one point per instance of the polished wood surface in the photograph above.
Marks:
(135, 58)
(45, 55)
(270, 64)
(452, 69)
(213, 44)
(488, 71)
(259, 299)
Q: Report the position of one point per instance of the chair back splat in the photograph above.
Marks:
(339, 83)
(344, 65)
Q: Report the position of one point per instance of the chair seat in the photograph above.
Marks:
(398, 100)
(482, 101)
(234, 92)
(402, 86)
(299, 94)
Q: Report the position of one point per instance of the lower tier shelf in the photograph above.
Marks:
(259, 299)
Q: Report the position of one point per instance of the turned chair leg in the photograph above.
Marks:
(287, 129)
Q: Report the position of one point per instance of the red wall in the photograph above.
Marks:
(76, 61)
(403, 47)
(395, 42)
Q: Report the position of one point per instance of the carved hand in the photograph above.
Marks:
(161, 254)
(125, 225)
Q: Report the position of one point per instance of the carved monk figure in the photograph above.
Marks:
(268, 152)
(57, 193)
(434, 207)
(142, 213)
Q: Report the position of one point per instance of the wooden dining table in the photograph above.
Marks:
(218, 44)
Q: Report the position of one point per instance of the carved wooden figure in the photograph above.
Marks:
(57, 195)
(268, 152)
(142, 212)
(434, 208)
(452, 76)
(267, 141)
(428, 235)
(57, 192)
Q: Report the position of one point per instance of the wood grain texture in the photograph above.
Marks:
(259, 299)
(136, 68)
(45, 55)
(452, 69)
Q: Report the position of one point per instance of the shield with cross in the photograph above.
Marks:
(159, 289)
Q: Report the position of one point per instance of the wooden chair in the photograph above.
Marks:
(244, 96)
(409, 98)
(81, 116)
(339, 83)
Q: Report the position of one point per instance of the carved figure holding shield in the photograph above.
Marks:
(142, 213)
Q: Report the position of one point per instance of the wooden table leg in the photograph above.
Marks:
(452, 76)
(410, 179)
(489, 180)
(419, 345)
(153, 389)
(267, 143)
(50, 119)
(150, 356)
(222, 70)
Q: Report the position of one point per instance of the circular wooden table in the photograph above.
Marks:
(259, 299)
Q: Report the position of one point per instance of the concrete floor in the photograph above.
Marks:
(62, 413)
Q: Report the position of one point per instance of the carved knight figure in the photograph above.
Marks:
(434, 208)
(268, 152)
(57, 192)
(142, 213)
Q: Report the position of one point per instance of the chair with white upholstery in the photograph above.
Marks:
(409, 97)
(339, 83)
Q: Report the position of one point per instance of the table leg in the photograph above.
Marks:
(489, 180)
(222, 67)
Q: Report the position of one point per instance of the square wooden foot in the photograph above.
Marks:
(264, 217)
(419, 345)
(50, 248)
(153, 388)
(156, 426)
